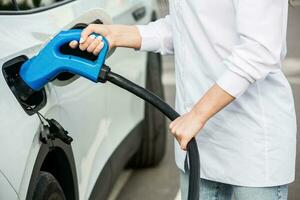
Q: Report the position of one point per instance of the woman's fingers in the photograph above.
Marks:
(98, 48)
(92, 28)
(175, 130)
(183, 144)
(86, 32)
(94, 44)
(85, 39)
(182, 139)
(89, 41)
(173, 123)
(83, 46)
(73, 44)
(182, 131)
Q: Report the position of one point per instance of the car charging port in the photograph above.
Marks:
(30, 100)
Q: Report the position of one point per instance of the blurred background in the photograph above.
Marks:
(162, 182)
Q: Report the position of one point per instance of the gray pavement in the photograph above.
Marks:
(162, 182)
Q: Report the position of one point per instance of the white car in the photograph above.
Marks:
(110, 127)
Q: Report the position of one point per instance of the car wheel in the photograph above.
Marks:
(152, 148)
(48, 188)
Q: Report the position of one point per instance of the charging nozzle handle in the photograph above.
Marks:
(78, 65)
(75, 34)
(192, 148)
(50, 62)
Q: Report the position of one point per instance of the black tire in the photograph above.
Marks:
(153, 144)
(48, 188)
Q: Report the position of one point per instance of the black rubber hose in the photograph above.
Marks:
(192, 149)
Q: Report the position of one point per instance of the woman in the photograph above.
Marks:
(230, 91)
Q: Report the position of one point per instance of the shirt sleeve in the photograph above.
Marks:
(261, 27)
(157, 36)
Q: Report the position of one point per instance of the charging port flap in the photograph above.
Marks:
(37, 99)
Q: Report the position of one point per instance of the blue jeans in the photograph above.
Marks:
(210, 190)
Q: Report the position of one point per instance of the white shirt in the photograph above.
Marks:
(240, 45)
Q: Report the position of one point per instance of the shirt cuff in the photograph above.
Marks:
(149, 41)
(233, 83)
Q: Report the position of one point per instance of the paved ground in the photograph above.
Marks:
(162, 182)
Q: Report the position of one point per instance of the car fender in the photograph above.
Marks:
(6, 190)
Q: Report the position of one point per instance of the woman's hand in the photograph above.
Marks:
(185, 127)
(116, 35)
(91, 43)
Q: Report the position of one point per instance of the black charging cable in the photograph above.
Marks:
(192, 149)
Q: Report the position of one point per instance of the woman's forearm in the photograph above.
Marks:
(214, 100)
(125, 36)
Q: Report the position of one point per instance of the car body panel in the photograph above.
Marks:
(97, 116)
(6, 191)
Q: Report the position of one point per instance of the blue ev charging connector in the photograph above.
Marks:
(50, 62)
(39, 70)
